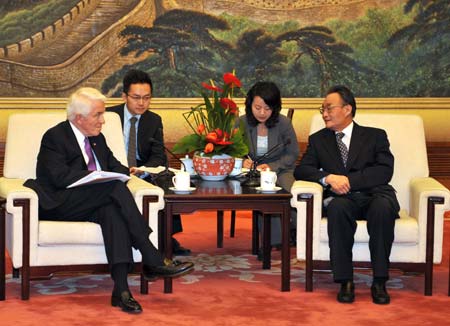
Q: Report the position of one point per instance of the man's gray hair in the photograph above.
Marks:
(80, 101)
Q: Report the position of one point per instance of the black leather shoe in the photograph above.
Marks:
(379, 293)
(347, 292)
(126, 302)
(178, 250)
(171, 268)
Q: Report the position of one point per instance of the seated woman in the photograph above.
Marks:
(265, 128)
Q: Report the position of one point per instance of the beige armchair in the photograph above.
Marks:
(43, 247)
(423, 201)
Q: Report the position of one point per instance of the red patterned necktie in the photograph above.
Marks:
(91, 161)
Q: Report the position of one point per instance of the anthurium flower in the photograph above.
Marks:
(219, 132)
(233, 111)
(200, 128)
(209, 148)
(211, 137)
(212, 87)
(230, 78)
(224, 142)
(228, 103)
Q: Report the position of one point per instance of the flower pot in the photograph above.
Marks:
(214, 168)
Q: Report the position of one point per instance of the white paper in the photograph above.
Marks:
(155, 170)
(99, 177)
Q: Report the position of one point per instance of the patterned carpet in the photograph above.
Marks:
(228, 287)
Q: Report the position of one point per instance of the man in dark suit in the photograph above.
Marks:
(146, 147)
(355, 165)
(73, 149)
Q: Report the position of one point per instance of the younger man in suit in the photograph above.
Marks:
(145, 146)
(73, 149)
(355, 165)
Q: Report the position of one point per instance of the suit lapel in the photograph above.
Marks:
(356, 144)
(73, 146)
(330, 145)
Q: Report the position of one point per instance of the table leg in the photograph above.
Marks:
(168, 221)
(267, 248)
(285, 250)
(255, 233)
(220, 229)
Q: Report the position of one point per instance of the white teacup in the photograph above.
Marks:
(237, 169)
(268, 180)
(236, 186)
(188, 164)
(182, 180)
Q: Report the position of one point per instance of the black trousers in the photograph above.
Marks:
(111, 205)
(342, 213)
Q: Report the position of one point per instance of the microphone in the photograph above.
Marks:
(155, 141)
(253, 175)
(270, 151)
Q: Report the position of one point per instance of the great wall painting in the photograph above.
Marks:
(380, 48)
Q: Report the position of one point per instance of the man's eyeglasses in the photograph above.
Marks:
(138, 98)
(328, 109)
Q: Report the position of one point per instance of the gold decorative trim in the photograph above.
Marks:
(409, 103)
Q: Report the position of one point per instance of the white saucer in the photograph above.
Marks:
(268, 191)
(187, 191)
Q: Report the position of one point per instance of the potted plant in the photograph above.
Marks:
(216, 137)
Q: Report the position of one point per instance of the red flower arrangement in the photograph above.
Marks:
(213, 122)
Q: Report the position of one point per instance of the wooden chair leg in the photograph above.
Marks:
(255, 233)
(2, 249)
(15, 273)
(232, 223)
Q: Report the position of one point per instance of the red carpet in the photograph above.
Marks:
(229, 287)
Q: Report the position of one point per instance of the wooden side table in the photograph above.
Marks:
(2, 247)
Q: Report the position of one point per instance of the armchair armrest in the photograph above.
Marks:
(21, 204)
(313, 191)
(428, 202)
(307, 199)
(140, 188)
(420, 190)
(150, 200)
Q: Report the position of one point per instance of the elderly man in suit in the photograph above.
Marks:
(143, 133)
(354, 164)
(73, 149)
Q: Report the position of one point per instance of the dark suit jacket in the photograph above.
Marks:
(370, 163)
(151, 153)
(60, 162)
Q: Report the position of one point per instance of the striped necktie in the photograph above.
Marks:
(132, 143)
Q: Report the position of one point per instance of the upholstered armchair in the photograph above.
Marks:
(42, 247)
(423, 201)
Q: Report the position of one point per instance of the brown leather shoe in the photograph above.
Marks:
(347, 292)
(126, 302)
(171, 268)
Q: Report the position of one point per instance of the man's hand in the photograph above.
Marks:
(135, 171)
(339, 183)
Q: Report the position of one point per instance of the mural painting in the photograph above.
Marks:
(380, 48)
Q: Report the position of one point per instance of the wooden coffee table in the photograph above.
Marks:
(224, 195)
